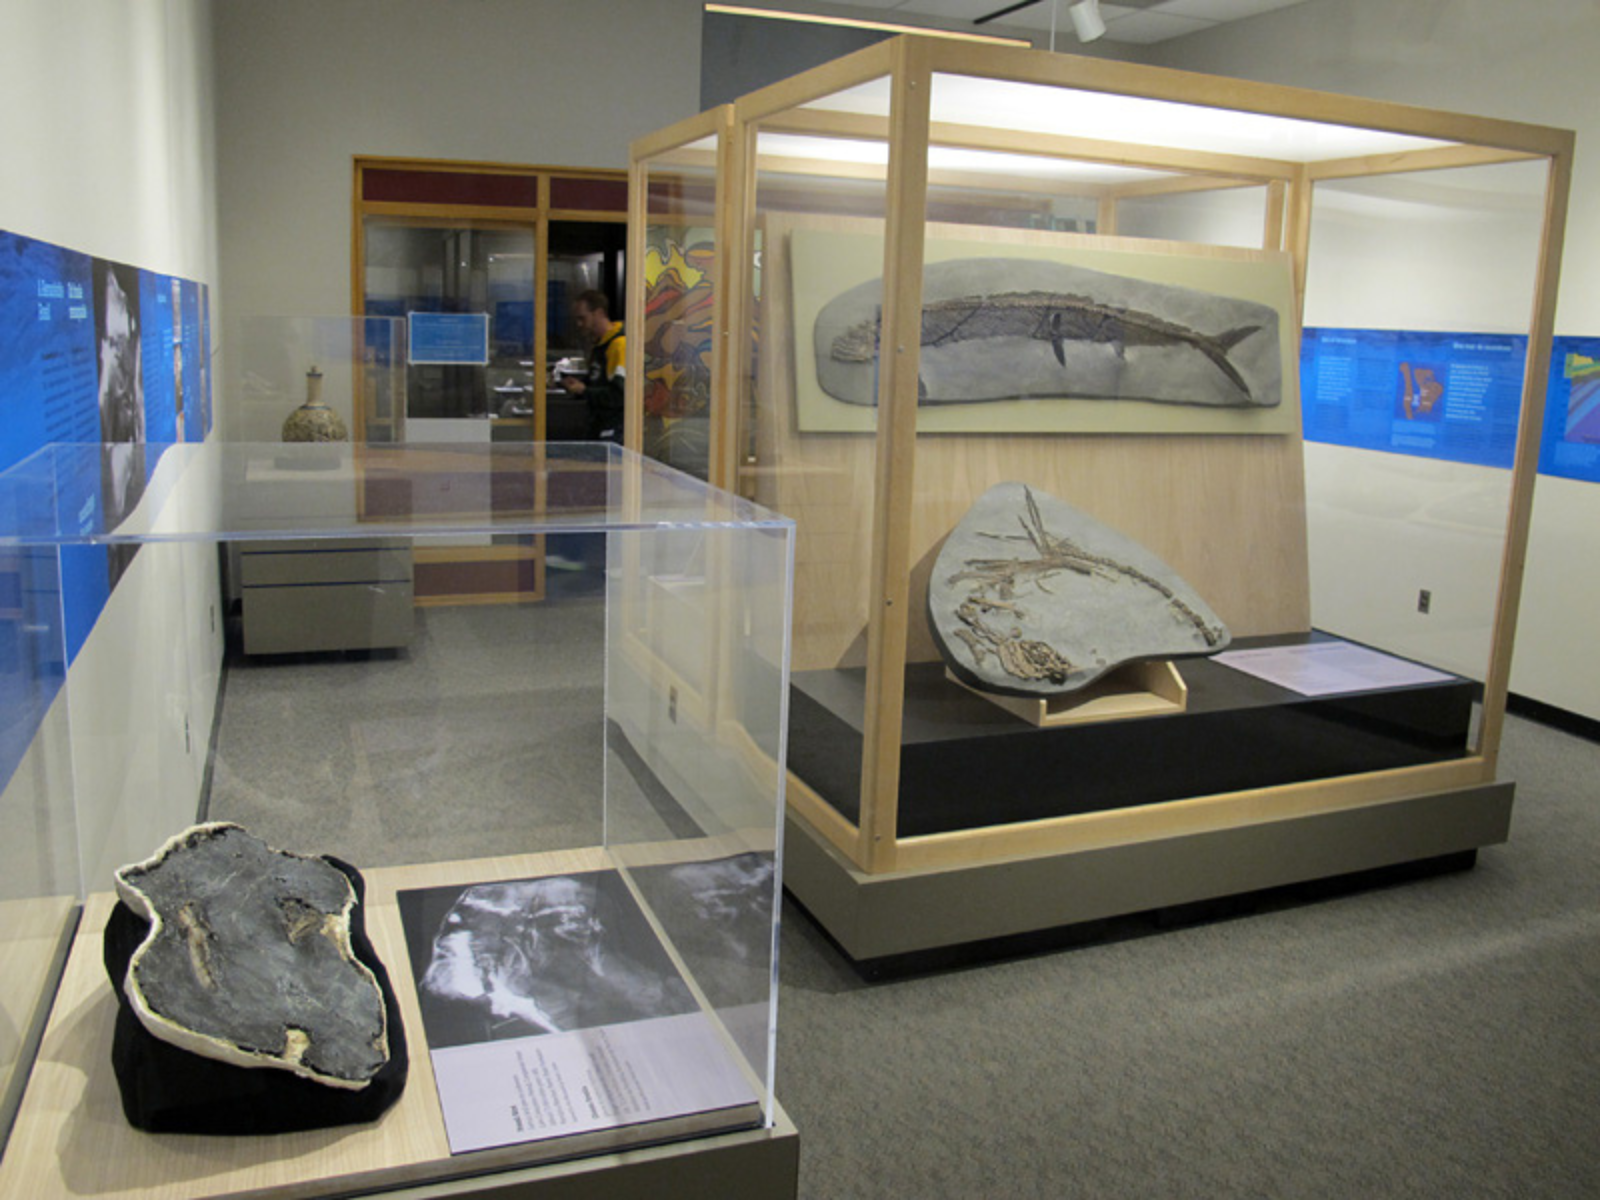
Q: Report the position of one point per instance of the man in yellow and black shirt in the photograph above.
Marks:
(602, 387)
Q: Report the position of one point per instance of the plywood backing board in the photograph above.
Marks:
(71, 1138)
(1226, 512)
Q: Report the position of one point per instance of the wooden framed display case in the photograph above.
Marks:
(680, 228)
(919, 817)
(597, 777)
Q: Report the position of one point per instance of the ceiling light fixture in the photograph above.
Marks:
(1085, 14)
(736, 10)
(1086, 20)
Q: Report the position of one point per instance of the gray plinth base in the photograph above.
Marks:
(753, 1164)
(897, 913)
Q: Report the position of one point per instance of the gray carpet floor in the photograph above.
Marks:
(1435, 1039)
(485, 736)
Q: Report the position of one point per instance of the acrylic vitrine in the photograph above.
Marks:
(354, 366)
(566, 812)
(875, 205)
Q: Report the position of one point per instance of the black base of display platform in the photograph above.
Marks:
(166, 1089)
(965, 764)
(883, 922)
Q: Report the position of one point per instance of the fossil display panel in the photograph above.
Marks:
(628, 728)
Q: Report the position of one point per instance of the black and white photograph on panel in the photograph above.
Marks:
(719, 916)
(535, 956)
(552, 1011)
(121, 397)
(718, 913)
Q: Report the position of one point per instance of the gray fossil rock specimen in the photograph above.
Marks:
(249, 959)
(1015, 328)
(1030, 596)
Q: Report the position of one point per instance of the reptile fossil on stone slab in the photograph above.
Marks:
(249, 960)
(1030, 596)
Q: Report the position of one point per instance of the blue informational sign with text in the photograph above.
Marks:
(1450, 396)
(48, 374)
(104, 359)
(1570, 446)
(443, 338)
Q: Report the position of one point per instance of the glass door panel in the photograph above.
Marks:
(460, 267)
(583, 256)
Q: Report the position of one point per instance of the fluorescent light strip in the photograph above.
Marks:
(734, 10)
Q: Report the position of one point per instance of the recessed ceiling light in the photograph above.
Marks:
(853, 23)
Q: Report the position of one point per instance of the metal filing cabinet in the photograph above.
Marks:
(326, 594)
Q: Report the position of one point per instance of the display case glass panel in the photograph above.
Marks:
(802, 452)
(458, 268)
(1415, 355)
(1088, 278)
(599, 772)
(356, 366)
(682, 272)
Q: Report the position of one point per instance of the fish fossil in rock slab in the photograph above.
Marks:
(1072, 600)
(1051, 317)
(249, 958)
(997, 329)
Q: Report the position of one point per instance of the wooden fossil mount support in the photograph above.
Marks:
(1141, 689)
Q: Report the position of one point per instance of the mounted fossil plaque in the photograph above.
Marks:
(1029, 596)
(252, 999)
(1012, 328)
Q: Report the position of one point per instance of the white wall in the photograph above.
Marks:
(1528, 62)
(143, 690)
(106, 118)
(1452, 251)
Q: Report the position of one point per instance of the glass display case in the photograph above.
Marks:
(566, 813)
(355, 366)
(683, 236)
(960, 267)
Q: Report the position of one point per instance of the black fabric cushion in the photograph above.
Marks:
(166, 1089)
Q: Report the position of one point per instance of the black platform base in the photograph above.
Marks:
(965, 764)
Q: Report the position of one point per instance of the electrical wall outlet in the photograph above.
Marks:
(1424, 600)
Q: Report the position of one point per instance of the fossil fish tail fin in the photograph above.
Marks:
(1216, 349)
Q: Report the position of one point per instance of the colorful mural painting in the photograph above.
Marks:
(679, 290)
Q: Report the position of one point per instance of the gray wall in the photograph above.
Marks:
(106, 120)
(303, 86)
(739, 54)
